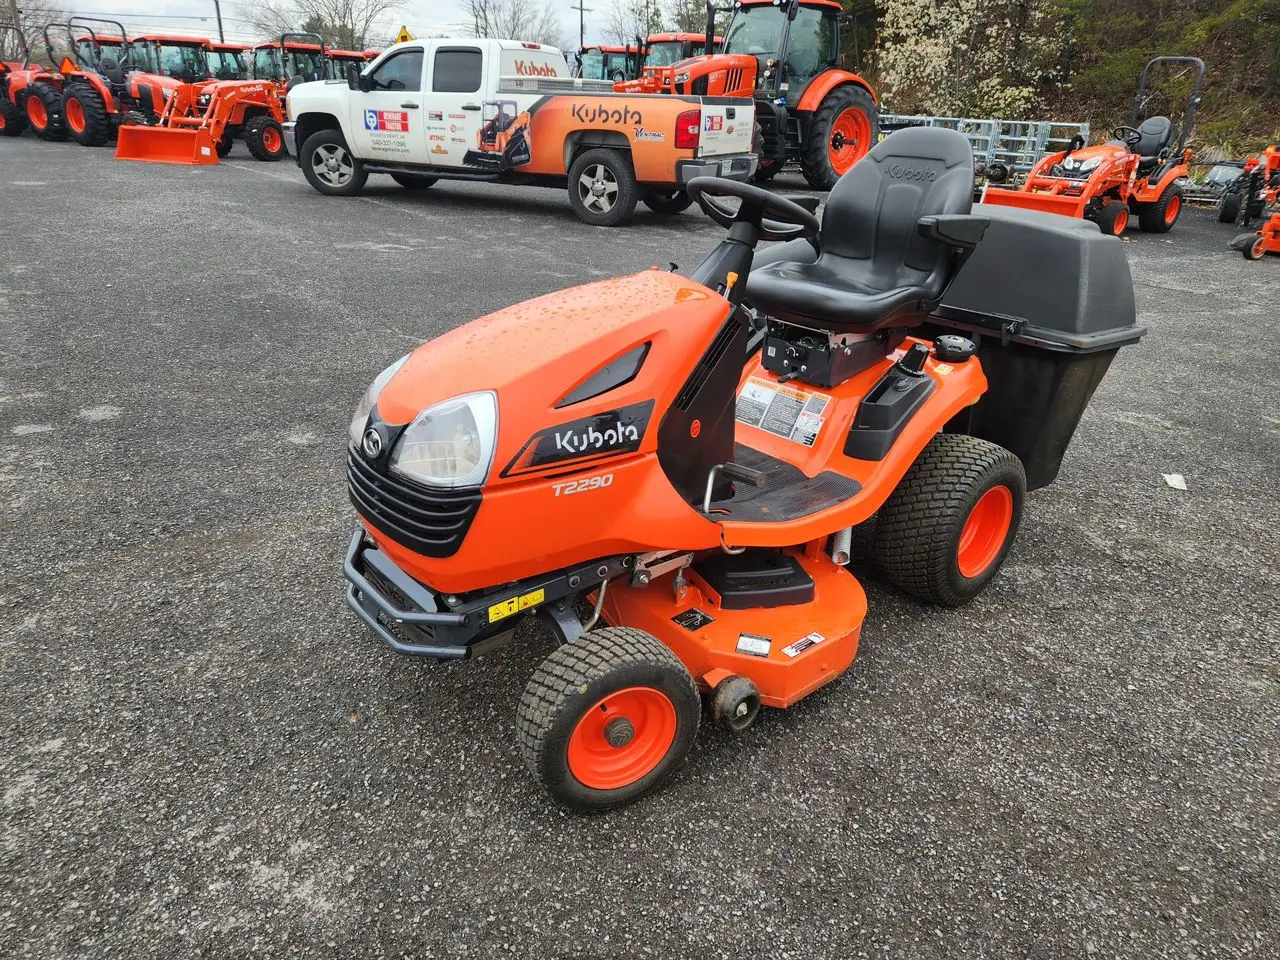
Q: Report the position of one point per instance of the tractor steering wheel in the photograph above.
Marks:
(773, 217)
(1130, 135)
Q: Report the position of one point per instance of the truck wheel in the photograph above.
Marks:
(85, 114)
(414, 181)
(666, 201)
(1112, 218)
(1159, 217)
(12, 120)
(602, 187)
(265, 139)
(329, 166)
(1229, 208)
(44, 112)
(944, 532)
(607, 718)
(844, 128)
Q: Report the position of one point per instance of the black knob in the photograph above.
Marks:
(912, 361)
(950, 348)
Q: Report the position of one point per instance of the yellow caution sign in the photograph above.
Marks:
(404, 36)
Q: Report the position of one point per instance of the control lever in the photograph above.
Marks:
(734, 471)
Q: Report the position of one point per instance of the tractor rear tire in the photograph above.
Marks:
(1229, 208)
(944, 532)
(44, 112)
(606, 718)
(610, 172)
(414, 181)
(844, 128)
(329, 166)
(1159, 217)
(1113, 218)
(85, 114)
(12, 120)
(265, 139)
(666, 202)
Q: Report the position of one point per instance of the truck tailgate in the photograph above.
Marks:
(727, 127)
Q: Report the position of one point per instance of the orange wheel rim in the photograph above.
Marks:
(1122, 221)
(271, 139)
(985, 532)
(1172, 209)
(36, 112)
(1, 121)
(850, 139)
(75, 115)
(622, 738)
(1259, 247)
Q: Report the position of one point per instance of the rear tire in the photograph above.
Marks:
(944, 532)
(1159, 217)
(766, 170)
(44, 112)
(12, 120)
(1229, 208)
(414, 181)
(602, 187)
(265, 139)
(614, 708)
(844, 128)
(666, 202)
(1112, 218)
(85, 114)
(329, 166)
(224, 145)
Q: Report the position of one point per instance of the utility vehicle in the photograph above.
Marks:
(506, 111)
(785, 54)
(689, 455)
(1140, 172)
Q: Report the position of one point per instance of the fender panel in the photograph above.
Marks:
(824, 83)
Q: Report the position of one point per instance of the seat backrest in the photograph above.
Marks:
(110, 68)
(872, 211)
(1156, 134)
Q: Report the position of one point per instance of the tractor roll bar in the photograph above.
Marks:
(1193, 102)
(75, 23)
(308, 38)
(22, 41)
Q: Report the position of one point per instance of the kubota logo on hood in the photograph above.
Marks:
(525, 69)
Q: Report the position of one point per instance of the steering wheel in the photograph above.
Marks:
(774, 217)
(1130, 135)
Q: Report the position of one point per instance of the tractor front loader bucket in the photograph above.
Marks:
(1070, 206)
(192, 146)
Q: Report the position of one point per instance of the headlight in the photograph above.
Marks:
(1087, 165)
(370, 398)
(450, 444)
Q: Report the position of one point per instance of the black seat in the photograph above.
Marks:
(1156, 134)
(877, 266)
(111, 69)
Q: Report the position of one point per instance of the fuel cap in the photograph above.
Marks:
(951, 348)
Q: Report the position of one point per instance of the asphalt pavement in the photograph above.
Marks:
(204, 754)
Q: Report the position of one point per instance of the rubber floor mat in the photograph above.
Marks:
(787, 493)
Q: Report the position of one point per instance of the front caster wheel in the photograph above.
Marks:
(944, 532)
(735, 704)
(607, 718)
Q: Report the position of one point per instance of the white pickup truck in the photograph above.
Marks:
(506, 111)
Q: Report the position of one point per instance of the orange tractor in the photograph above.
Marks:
(226, 61)
(1257, 188)
(784, 54)
(664, 49)
(42, 100)
(291, 60)
(200, 122)
(1140, 172)
(15, 78)
(339, 60)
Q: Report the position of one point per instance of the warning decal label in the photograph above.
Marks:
(782, 410)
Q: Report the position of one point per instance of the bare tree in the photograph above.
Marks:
(350, 24)
(629, 19)
(688, 16)
(34, 14)
(515, 20)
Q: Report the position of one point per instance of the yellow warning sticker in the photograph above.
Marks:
(404, 36)
(500, 611)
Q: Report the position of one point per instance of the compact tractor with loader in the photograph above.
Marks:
(1138, 173)
(1257, 188)
(785, 55)
(666, 470)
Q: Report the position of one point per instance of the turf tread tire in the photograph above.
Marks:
(1107, 216)
(577, 675)
(1151, 216)
(918, 529)
(815, 155)
(13, 117)
(255, 130)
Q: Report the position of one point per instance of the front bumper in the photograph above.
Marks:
(740, 166)
(411, 618)
(290, 140)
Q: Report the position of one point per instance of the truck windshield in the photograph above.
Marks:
(665, 54)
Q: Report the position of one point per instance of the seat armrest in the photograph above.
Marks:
(956, 229)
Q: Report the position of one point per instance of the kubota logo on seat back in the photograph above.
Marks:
(904, 171)
(526, 69)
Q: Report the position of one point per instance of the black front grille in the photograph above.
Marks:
(427, 521)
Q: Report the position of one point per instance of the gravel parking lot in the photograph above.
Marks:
(206, 755)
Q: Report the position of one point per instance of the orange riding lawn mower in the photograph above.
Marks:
(1266, 240)
(1256, 189)
(784, 54)
(1139, 173)
(666, 471)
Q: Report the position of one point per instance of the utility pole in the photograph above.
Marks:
(583, 10)
(217, 8)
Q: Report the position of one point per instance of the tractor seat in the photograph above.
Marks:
(1157, 133)
(875, 266)
(110, 68)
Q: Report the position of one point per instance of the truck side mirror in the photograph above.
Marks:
(364, 83)
(353, 77)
